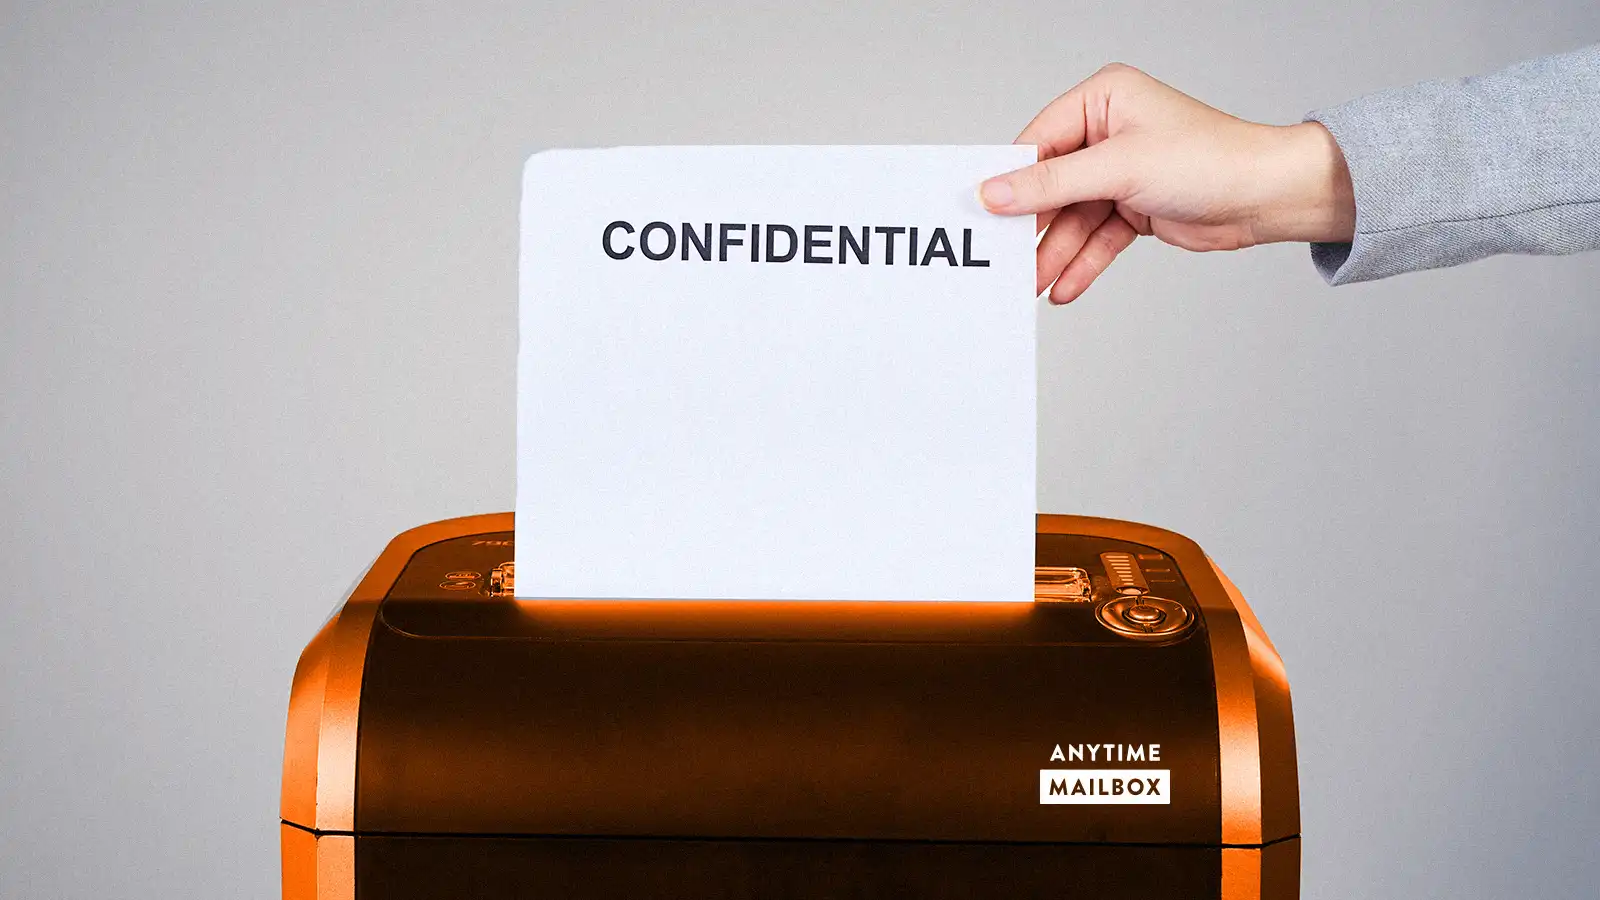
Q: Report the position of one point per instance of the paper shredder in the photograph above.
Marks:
(1127, 734)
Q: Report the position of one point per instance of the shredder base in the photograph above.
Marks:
(420, 867)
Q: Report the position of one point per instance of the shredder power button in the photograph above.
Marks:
(1144, 614)
(1145, 618)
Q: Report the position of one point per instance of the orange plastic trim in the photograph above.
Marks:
(319, 755)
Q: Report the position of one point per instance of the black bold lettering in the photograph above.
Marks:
(913, 259)
(605, 240)
(966, 250)
(755, 243)
(1155, 787)
(691, 237)
(939, 246)
(794, 243)
(812, 243)
(847, 241)
(725, 239)
(644, 240)
(1058, 786)
(888, 241)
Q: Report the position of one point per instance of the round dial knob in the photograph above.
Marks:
(1145, 618)
(1144, 614)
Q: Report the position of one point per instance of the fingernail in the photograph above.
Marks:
(996, 193)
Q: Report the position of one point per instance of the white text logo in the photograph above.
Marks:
(1105, 787)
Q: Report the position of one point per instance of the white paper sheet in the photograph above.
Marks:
(809, 429)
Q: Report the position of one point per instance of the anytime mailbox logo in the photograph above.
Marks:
(1106, 787)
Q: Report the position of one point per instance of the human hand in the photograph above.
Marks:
(1122, 155)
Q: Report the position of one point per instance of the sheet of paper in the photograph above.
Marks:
(774, 373)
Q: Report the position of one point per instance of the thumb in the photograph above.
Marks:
(1097, 172)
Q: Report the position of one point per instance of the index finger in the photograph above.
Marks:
(1061, 126)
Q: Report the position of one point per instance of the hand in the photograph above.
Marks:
(1123, 155)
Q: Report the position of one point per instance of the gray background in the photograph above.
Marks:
(257, 311)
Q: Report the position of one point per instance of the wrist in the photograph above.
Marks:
(1309, 195)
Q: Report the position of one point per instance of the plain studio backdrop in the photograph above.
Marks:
(257, 315)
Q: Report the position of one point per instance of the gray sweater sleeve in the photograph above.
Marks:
(1446, 172)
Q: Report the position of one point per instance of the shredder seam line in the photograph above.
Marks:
(794, 840)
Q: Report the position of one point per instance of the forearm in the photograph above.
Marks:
(1446, 172)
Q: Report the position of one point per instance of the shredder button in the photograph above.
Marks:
(1144, 614)
(1145, 618)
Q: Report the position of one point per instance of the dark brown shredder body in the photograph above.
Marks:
(447, 740)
